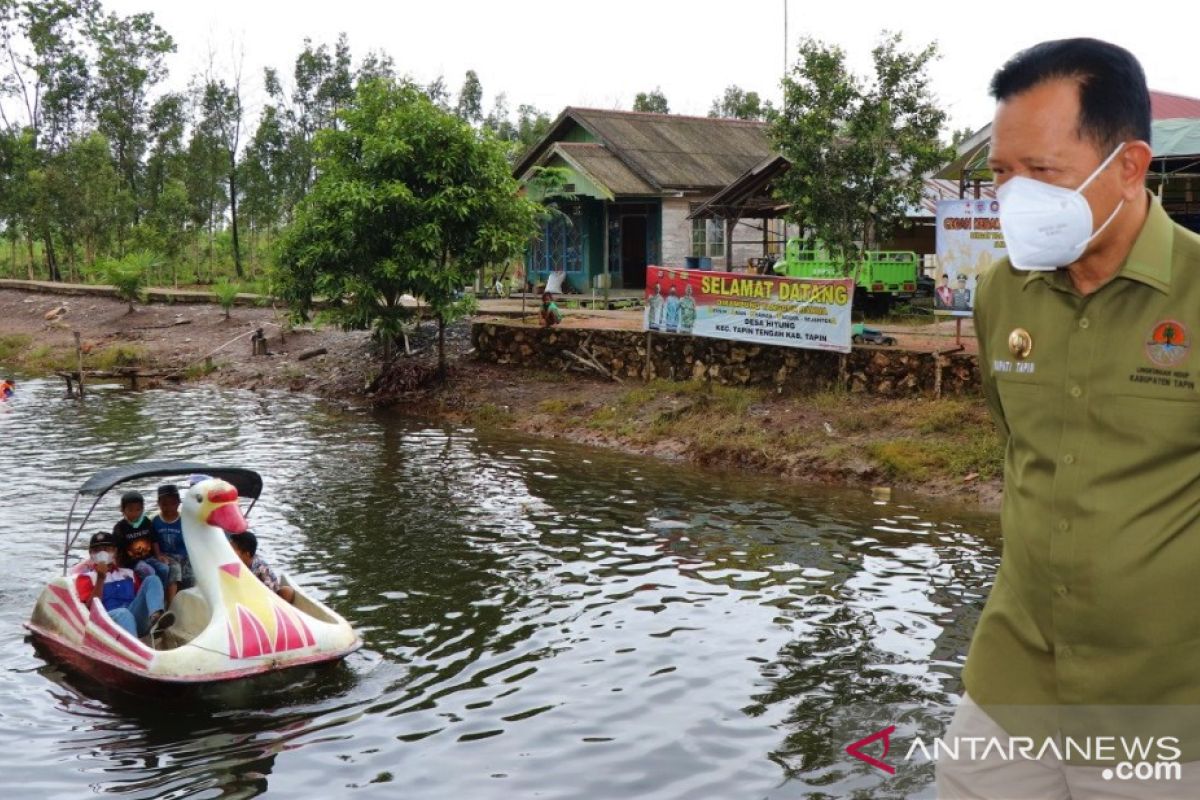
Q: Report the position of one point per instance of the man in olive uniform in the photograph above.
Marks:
(1086, 338)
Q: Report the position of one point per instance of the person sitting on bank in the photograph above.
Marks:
(134, 603)
(246, 546)
(551, 316)
(168, 541)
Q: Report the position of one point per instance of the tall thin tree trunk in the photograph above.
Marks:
(51, 261)
(32, 258)
(233, 215)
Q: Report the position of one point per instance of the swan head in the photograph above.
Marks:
(213, 501)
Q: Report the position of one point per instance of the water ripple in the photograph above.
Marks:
(541, 619)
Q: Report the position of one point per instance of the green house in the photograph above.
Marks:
(636, 177)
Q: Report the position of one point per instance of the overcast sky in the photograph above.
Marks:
(554, 54)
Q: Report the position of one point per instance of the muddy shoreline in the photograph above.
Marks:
(935, 448)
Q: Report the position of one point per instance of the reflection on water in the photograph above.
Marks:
(540, 619)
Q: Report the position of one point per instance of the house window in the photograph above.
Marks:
(708, 237)
(559, 246)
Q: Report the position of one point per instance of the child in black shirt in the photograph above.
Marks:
(135, 539)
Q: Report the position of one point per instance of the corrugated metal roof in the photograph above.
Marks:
(678, 152)
(598, 163)
(1164, 105)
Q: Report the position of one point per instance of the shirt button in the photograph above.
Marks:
(1083, 323)
(1076, 391)
(1062, 591)
(1064, 525)
(1068, 459)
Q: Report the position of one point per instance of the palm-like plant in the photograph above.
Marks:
(226, 292)
(128, 275)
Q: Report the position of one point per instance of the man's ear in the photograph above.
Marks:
(1133, 162)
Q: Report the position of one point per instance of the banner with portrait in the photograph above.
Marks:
(790, 312)
(969, 241)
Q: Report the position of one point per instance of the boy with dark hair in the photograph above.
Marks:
(135, 539)
(246, 546)
(168, 541)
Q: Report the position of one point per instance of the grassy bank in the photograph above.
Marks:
(945, 446)
(19, 351)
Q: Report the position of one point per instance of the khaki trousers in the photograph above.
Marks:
(1048, 778)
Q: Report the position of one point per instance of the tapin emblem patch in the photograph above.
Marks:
(1020, 343)
(1168, 344)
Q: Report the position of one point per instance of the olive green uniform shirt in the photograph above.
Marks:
(1097, 599)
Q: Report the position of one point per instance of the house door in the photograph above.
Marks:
(633, 252)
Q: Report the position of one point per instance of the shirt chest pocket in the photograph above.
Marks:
(1163, 426)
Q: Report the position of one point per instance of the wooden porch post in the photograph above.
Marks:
(730, 224)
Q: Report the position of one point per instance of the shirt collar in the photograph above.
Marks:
(1148, 262)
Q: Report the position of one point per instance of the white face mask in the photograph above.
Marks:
(1045, 226)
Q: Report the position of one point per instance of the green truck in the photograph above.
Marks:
(884, 276)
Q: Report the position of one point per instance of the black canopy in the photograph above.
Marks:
(247, 482)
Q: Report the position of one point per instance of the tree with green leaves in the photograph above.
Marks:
(221, 121)
(532, 125)
(654, 102)
(264, 171)
(130, 61)
(470, 99)
(736, 103)
(203, 180)
(18, 158)
(47, 75)
(410, 199)
(859, 147)
(959, 136)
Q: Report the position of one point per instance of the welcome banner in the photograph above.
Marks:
(789, 312)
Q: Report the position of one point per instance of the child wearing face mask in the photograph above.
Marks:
(135, 539)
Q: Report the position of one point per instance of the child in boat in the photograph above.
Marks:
(135, 540)
(168, 541)
(133, 602)
(246, 546)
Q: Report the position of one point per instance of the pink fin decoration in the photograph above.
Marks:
(308, 637)
(291, 632)
(254, 636)
(234, 568)
(69, 605)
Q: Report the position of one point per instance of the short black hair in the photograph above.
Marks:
(130, 498)
(245, 541)
(1114, 101)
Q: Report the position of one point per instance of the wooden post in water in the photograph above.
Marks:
(79, 362)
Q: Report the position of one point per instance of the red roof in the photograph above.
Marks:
(1164, 105)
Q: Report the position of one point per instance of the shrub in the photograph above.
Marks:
(226, 292)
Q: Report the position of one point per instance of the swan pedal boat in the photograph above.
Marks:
(228, 627)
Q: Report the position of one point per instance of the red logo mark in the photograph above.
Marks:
(855, 749)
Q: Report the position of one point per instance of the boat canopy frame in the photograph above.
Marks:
(247, 482)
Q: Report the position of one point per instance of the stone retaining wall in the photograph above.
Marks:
(883, 371)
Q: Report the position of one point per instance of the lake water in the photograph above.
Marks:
(541, 620)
